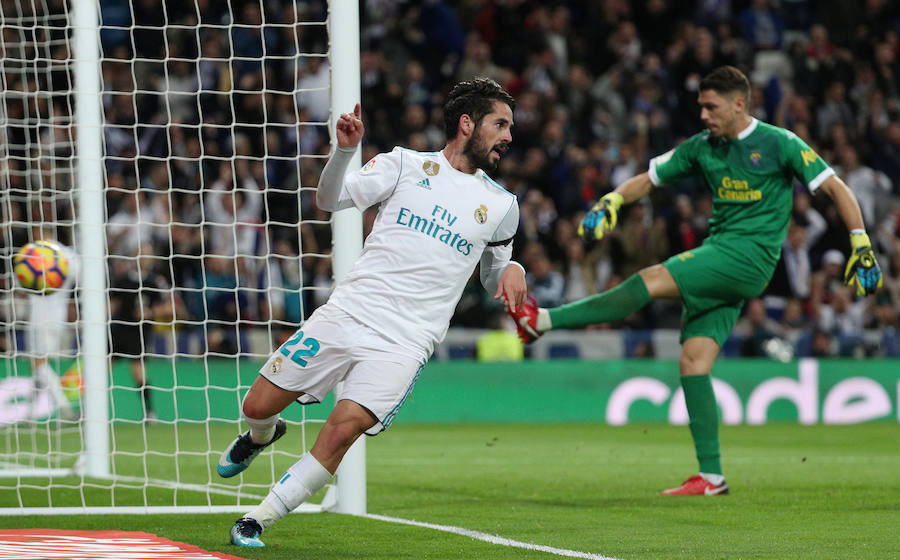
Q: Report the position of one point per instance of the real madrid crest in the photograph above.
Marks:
(276, 366)
(481, 214)
(431, 167)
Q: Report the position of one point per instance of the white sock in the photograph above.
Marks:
(714, 479)
(543, 320)
(262, 430)
(305, 477)
(265, 514)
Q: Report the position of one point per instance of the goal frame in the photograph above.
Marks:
(348, 494)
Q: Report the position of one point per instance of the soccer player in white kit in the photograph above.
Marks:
(48, 315)
(439, 215)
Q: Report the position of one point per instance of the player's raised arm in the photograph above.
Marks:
(862, 270)
(349, 131)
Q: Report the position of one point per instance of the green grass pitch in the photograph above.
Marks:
(797, 492)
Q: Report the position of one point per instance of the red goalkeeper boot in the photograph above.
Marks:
(697, 486)
(526, 320)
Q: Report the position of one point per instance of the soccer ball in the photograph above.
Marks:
(41, 266)
(72, 382)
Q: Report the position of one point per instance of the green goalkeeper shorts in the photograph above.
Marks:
(715, 280)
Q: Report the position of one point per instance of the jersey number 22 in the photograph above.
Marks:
(310, 348)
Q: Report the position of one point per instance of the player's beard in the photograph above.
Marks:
(479, 153)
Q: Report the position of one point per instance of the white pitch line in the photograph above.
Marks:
(493, 539)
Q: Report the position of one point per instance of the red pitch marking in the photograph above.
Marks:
(52, 544)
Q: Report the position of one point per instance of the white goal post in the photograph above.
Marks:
(70, 179)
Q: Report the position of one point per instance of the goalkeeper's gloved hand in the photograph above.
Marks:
(602, 217)
(862, 268)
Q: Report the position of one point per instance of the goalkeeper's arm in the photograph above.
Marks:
(635, 188)
(604, 215)
(862, 270)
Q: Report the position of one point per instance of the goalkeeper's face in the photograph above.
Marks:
(722, 114)
(490, 139)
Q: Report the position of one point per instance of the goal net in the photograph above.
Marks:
(194, 226)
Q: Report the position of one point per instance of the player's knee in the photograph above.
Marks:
(253, 409)
(686, 363)
(341, 432)
(695, 364)
(347, 432)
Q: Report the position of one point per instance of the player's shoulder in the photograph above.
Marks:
(495, 186)
(690, 145)
(774, 132)
(702, 136)
(413, 154)
(405, 158)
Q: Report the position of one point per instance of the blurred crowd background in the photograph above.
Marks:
(215, 134)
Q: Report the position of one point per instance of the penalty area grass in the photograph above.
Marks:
(797, 492)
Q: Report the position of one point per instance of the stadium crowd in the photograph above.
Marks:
(215, 136)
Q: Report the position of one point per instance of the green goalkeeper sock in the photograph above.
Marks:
(611, 305)
(701, 406)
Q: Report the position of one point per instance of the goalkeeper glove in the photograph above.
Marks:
(862, 268)
(602, 217)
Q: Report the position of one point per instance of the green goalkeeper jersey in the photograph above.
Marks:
(751, 179)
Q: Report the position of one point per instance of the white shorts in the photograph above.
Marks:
(47, 324)
(333, 346)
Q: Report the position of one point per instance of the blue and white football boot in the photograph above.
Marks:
(242, 451)
(246, 532)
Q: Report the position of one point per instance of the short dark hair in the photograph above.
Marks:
(727, 79)
(475, 98)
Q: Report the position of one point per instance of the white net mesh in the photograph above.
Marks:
(214, 131)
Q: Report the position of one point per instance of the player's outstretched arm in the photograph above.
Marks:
(862, 272)
(604, 215)
(349, 131)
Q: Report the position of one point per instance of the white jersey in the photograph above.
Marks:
(48, 314)
(434, 224)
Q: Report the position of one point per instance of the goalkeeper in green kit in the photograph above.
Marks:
(749, 166)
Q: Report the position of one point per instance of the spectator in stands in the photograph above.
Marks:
(793, 316)
(681, 231)
(544, 283)
(870, 186)
(892, 283)
(132, 224)
(832, 270)
(313, 87)
(478, 62)
(834, 109)
(762, 25)
(756, 329)
(795, 258)
(844, 319)
(223, 302)
(889, 231)
(822, 345)
(813, 223)
(232, 210)
(643, 240)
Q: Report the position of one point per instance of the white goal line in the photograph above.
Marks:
(493, 539)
